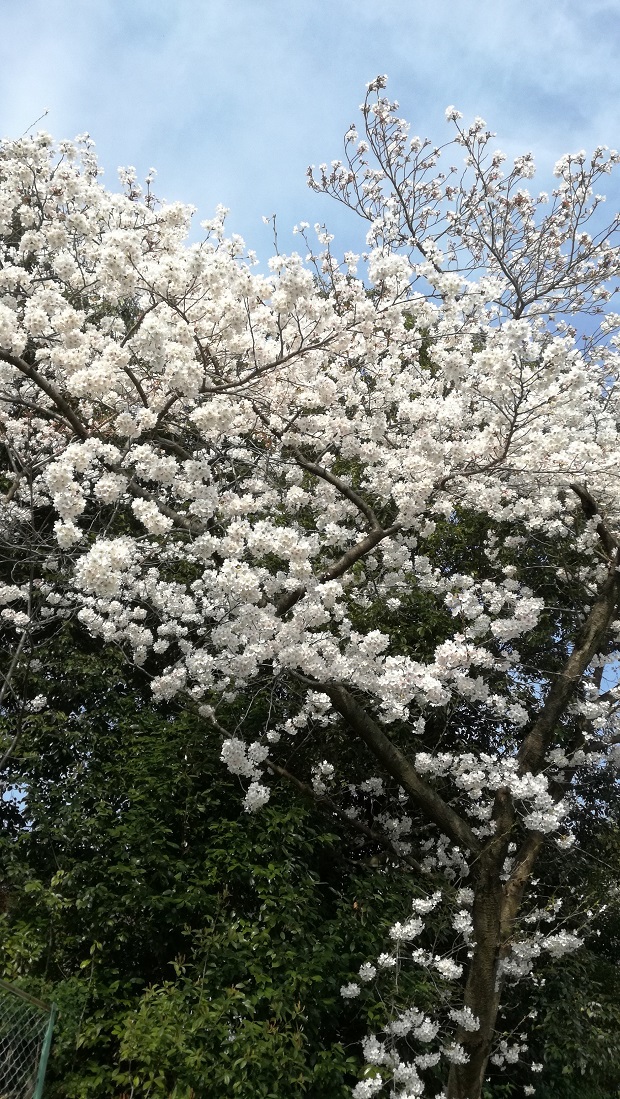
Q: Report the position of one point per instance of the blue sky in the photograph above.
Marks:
(230, 101)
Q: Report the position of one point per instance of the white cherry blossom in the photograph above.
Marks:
(250, 481)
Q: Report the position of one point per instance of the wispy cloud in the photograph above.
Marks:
(230, 100)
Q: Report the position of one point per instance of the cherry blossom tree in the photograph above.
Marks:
(380, 508)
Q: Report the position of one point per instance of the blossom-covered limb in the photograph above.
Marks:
(47, 387)
(587, 644)
(590, 510)
(345, 490)
(322, 799)
(439, 811)
(355, 553)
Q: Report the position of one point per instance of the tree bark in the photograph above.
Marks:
(494, 914)
(483, 986)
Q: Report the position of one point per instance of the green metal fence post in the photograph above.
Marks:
(45, 1052)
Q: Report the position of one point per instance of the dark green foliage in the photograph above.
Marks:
(191, 948)
(577, 1031)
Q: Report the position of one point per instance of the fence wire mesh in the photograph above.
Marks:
(25, 1035)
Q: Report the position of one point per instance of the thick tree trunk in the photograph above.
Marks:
(482, 991)
(496, 906)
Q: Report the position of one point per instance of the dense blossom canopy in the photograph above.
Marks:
(248, 480)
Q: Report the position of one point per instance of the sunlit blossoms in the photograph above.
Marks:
(343, 502)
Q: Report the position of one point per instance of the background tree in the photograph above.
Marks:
(189, 946)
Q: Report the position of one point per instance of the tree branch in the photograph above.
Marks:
(47, 387)
(353, 554)
(337, 482)
(356, 825)
(433, 805)
(519, 877)
(590, 509)
(587, 643)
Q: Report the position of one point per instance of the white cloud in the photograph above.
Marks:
(230, 100)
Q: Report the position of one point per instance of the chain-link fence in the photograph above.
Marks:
(26, 1026)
